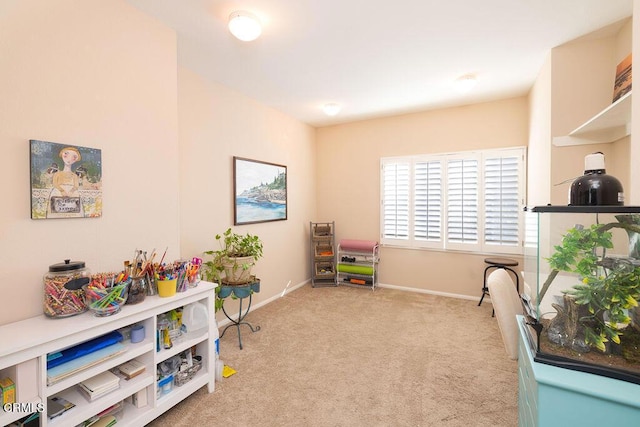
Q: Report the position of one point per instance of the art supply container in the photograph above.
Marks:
(63, 293)
(137, 333)
(152, 281)
(167, 288)
(105, 301)
(138, 289)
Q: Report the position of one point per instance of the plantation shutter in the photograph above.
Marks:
(428, 201)
(462, 202)
(396, 182)
(501, 200)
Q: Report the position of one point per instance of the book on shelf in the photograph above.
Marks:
(131, 368)
(99, 385)
(56, 406)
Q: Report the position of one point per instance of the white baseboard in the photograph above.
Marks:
(426, 291)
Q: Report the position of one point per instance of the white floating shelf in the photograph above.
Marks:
(609, 125)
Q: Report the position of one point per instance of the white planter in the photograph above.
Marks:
(238, 270)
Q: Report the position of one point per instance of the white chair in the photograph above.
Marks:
(506, 304)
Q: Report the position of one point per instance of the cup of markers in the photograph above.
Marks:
(193, 272)
(105, 301)
(167, 280)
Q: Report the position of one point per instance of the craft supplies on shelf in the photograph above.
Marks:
(138, 289)
(323, 272)
(358, 263)
(105, 301)
(63, 294)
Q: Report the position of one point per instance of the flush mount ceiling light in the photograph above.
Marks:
(244, 25)
(464, 84)
(331, 109)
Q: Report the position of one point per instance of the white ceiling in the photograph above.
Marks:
(377, 57)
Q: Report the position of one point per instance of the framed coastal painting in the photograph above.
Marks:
(66, 181)
(259, 191)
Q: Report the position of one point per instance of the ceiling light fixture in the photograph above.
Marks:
(244, 25)
(331, 109)
(464, 84)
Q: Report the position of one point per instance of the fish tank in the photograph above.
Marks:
(582, 288)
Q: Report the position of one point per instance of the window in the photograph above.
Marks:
(469, 201)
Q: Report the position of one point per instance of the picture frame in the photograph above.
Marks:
(259, 191)
(66, 180)
(622, 84)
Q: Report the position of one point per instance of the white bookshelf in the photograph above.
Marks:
(23, 358)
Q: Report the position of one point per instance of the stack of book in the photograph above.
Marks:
(131, 369)
(99, 385)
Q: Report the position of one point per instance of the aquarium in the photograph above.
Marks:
(582, 288)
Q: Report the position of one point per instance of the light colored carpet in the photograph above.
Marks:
(352, 357)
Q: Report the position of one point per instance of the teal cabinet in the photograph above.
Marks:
(550, 396)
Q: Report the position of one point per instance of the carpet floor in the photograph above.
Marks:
(355, 357)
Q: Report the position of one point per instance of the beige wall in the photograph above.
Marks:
(583, 74)
(104, 75)
(216, 124)
(539, 150)
(348, 159)
(97, 74)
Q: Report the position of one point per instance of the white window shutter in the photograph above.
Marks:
(396, 181)
(462, 202)
(427, 202)
(501, 201)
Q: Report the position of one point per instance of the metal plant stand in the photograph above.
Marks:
(240, 292)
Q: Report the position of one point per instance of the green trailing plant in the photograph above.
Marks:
(608, 287)
(232, 247)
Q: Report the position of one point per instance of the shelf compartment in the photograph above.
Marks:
(365, 270)
(9, 417)
(182, 343)
(25, 374)
(85, 409)
(132, 351)
(325, 270)
(322, 230)
(324, 250)
(177, 394)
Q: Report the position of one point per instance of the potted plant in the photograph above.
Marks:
(237, 255)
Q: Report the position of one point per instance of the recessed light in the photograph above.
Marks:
(331, 109)
(244, 25)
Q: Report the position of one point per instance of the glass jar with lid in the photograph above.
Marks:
(63, 293)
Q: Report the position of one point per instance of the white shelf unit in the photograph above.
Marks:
(356, 266)
(609, 125)
(26, 344)
(323, 256)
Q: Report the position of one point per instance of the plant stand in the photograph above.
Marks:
(241, 292)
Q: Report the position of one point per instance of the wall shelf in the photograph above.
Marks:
(609, 125)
